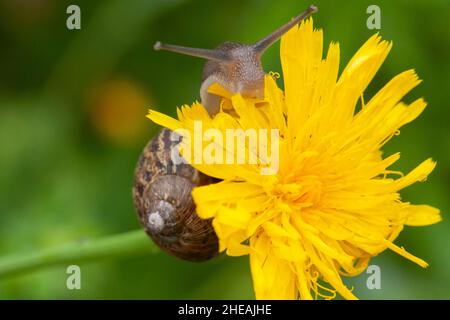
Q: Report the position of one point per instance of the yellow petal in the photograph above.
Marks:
(420, 173)
(422, 215)
(233, 217)
(406, 254)
(163, 120)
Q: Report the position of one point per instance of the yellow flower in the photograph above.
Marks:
(333, 204)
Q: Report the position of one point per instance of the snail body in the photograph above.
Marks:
(162, 189)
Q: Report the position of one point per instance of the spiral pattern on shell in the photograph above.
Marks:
(162, 197)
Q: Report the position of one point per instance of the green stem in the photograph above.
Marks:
(126, 244)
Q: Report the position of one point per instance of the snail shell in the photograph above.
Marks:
(163, 201)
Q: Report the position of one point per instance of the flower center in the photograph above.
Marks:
(304, 192)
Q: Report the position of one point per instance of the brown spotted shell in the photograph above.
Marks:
(162, 197)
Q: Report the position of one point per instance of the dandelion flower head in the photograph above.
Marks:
(333, 203)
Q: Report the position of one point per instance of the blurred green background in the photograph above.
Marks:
(72, 107)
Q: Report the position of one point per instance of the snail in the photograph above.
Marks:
(162, 188)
